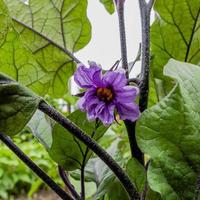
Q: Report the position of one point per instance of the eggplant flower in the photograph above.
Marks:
(105, 94)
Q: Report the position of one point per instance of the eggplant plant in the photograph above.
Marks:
(133, 137)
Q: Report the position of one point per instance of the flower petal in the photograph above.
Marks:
(116, 79)
(88, 77)
(81, 103)
(107, 114)
(127, 94)
(128, 111)
(87, 99)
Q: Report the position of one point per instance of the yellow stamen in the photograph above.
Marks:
(105, 94)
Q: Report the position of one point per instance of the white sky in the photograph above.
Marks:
(104, 47)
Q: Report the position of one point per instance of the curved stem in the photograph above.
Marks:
(40, 173)
(135, 150)
(91, 144)
(67, 182)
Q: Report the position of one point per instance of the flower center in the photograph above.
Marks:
(105, 94)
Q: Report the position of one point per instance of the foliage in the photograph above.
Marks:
(169, 133)
(39, 61)
(17, 104)
(68, 151)
(15, 177)
(175, 34)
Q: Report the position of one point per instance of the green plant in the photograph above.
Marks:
(15, 177)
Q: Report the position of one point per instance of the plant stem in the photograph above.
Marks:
(67, 182)
(90, 143)
(120, 11)
(83, 174)
(130, 126)
(37, 170)
(135, 150)
(145, 11)
(84, 163)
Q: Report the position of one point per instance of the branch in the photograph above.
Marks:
(145, 9)
(90, 143)
(135, 150)
(40, 173)
(67, 182)
(84, 163)
(130, 126)
(120, 11)
(70, 54)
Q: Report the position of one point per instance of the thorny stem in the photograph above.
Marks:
(130, 126)
(145, 11)
(91, 144)
(120, 11)
(37, 170)
(67, 182)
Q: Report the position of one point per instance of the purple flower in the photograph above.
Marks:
(106, 94)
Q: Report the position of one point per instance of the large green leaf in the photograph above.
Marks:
(65, 22)
(170, 133)
(68, 151)
(175, 33)
(17, 105)
(50, 68)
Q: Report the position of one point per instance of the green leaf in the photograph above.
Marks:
(43, 65)
(99, 173)
(107, 182)
(68, 151)
(169, 133)
(45, 71)
(137, 173)
(41, 127)
(175, 33)
(17, 106)
(109, 5)
(64, 22)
